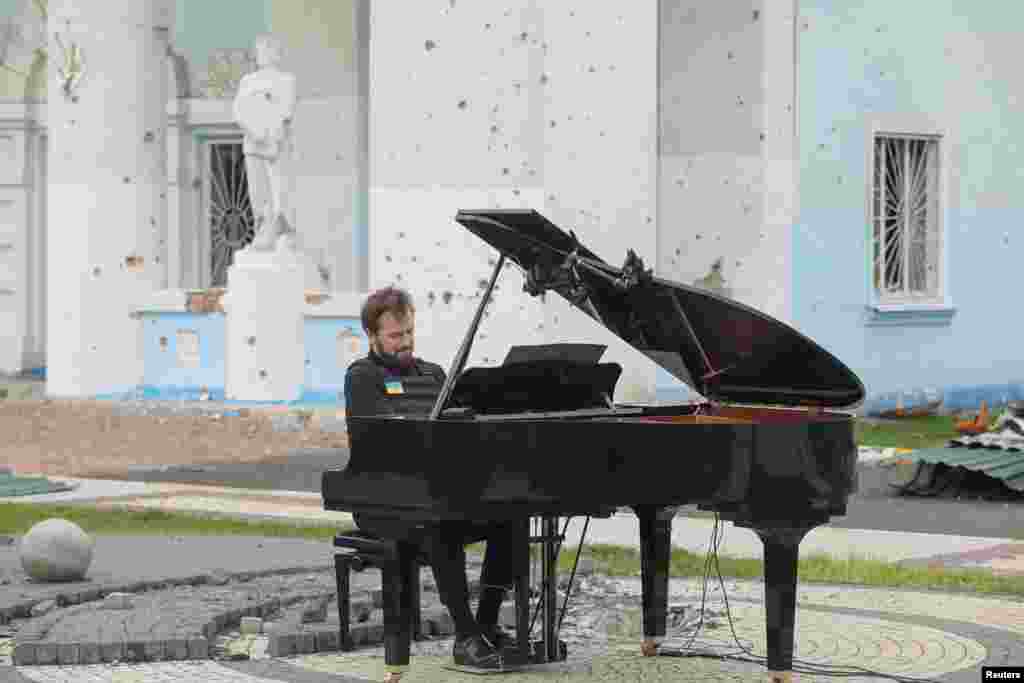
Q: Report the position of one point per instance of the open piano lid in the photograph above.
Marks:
(721, 348)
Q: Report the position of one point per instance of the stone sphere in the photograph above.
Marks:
(56, 550)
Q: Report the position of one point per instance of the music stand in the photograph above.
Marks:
(583, 354)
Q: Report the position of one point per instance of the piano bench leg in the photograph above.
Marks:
(342, 567)
(410, 573)
(397, 620)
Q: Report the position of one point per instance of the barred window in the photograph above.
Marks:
(906, 230)
(232, 222)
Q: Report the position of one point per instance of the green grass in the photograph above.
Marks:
(819, 568)
(623, 561)
(17, 518)
(909, 432)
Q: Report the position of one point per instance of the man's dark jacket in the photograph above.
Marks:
(377, 385)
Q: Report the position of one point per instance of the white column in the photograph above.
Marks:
(16, 243)
(177, 249)
(107, 172)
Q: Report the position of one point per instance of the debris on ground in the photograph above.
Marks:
(977, 425)
(983, 463)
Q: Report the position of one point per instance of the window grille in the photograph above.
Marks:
(232, 222)
(906, 218)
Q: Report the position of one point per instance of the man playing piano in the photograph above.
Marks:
(390, 380)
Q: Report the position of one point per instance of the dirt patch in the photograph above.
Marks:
(90, 438)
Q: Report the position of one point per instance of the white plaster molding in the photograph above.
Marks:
(203, 112)
(904, 123)
(164, 301)
(909, 314)
(334, 305)
(177, 110)
(912, 307)
(21, 115)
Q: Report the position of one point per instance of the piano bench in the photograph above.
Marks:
(399, 562)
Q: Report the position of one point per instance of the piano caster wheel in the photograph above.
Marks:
(780, 677)
(649, 648)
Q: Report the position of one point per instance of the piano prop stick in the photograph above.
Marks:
(745, 447)
(459, 362)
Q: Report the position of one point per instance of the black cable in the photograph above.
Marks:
(544, 584)
(558, 550)
(799, 666)
(572, 576)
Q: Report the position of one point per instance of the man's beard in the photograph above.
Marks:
(403, 358)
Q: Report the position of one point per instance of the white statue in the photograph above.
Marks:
(264, 108)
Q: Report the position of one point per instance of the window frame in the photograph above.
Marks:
(902, 310)
(205, 236)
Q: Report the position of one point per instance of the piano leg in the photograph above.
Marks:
(781, 552)
(550, 595)
(397, 594)
(522, 588)
(655, 555)
(411, 599)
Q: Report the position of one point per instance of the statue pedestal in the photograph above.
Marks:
(264, 344)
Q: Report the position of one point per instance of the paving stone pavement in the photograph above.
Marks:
(120, 561)
(175, 623)
(917, 634)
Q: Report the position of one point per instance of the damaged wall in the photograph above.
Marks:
(511, 104)
(949, 68)
(105, 191)
(726, 181)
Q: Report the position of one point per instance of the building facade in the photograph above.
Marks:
(731, 145)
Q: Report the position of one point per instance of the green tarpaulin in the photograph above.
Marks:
(12, 485)
(1005, 465)
(992, 473)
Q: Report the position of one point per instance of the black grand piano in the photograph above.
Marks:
(768, 448)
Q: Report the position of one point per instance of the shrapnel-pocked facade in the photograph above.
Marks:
(737, 147)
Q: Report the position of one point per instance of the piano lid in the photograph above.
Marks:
(721, 348)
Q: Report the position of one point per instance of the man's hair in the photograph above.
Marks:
(391, 300)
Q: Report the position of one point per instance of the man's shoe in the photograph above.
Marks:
(477, 651)
(498, 636)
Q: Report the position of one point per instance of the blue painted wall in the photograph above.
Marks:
(161, 367)
(957, 62)
(327, 358)
(325, 363)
